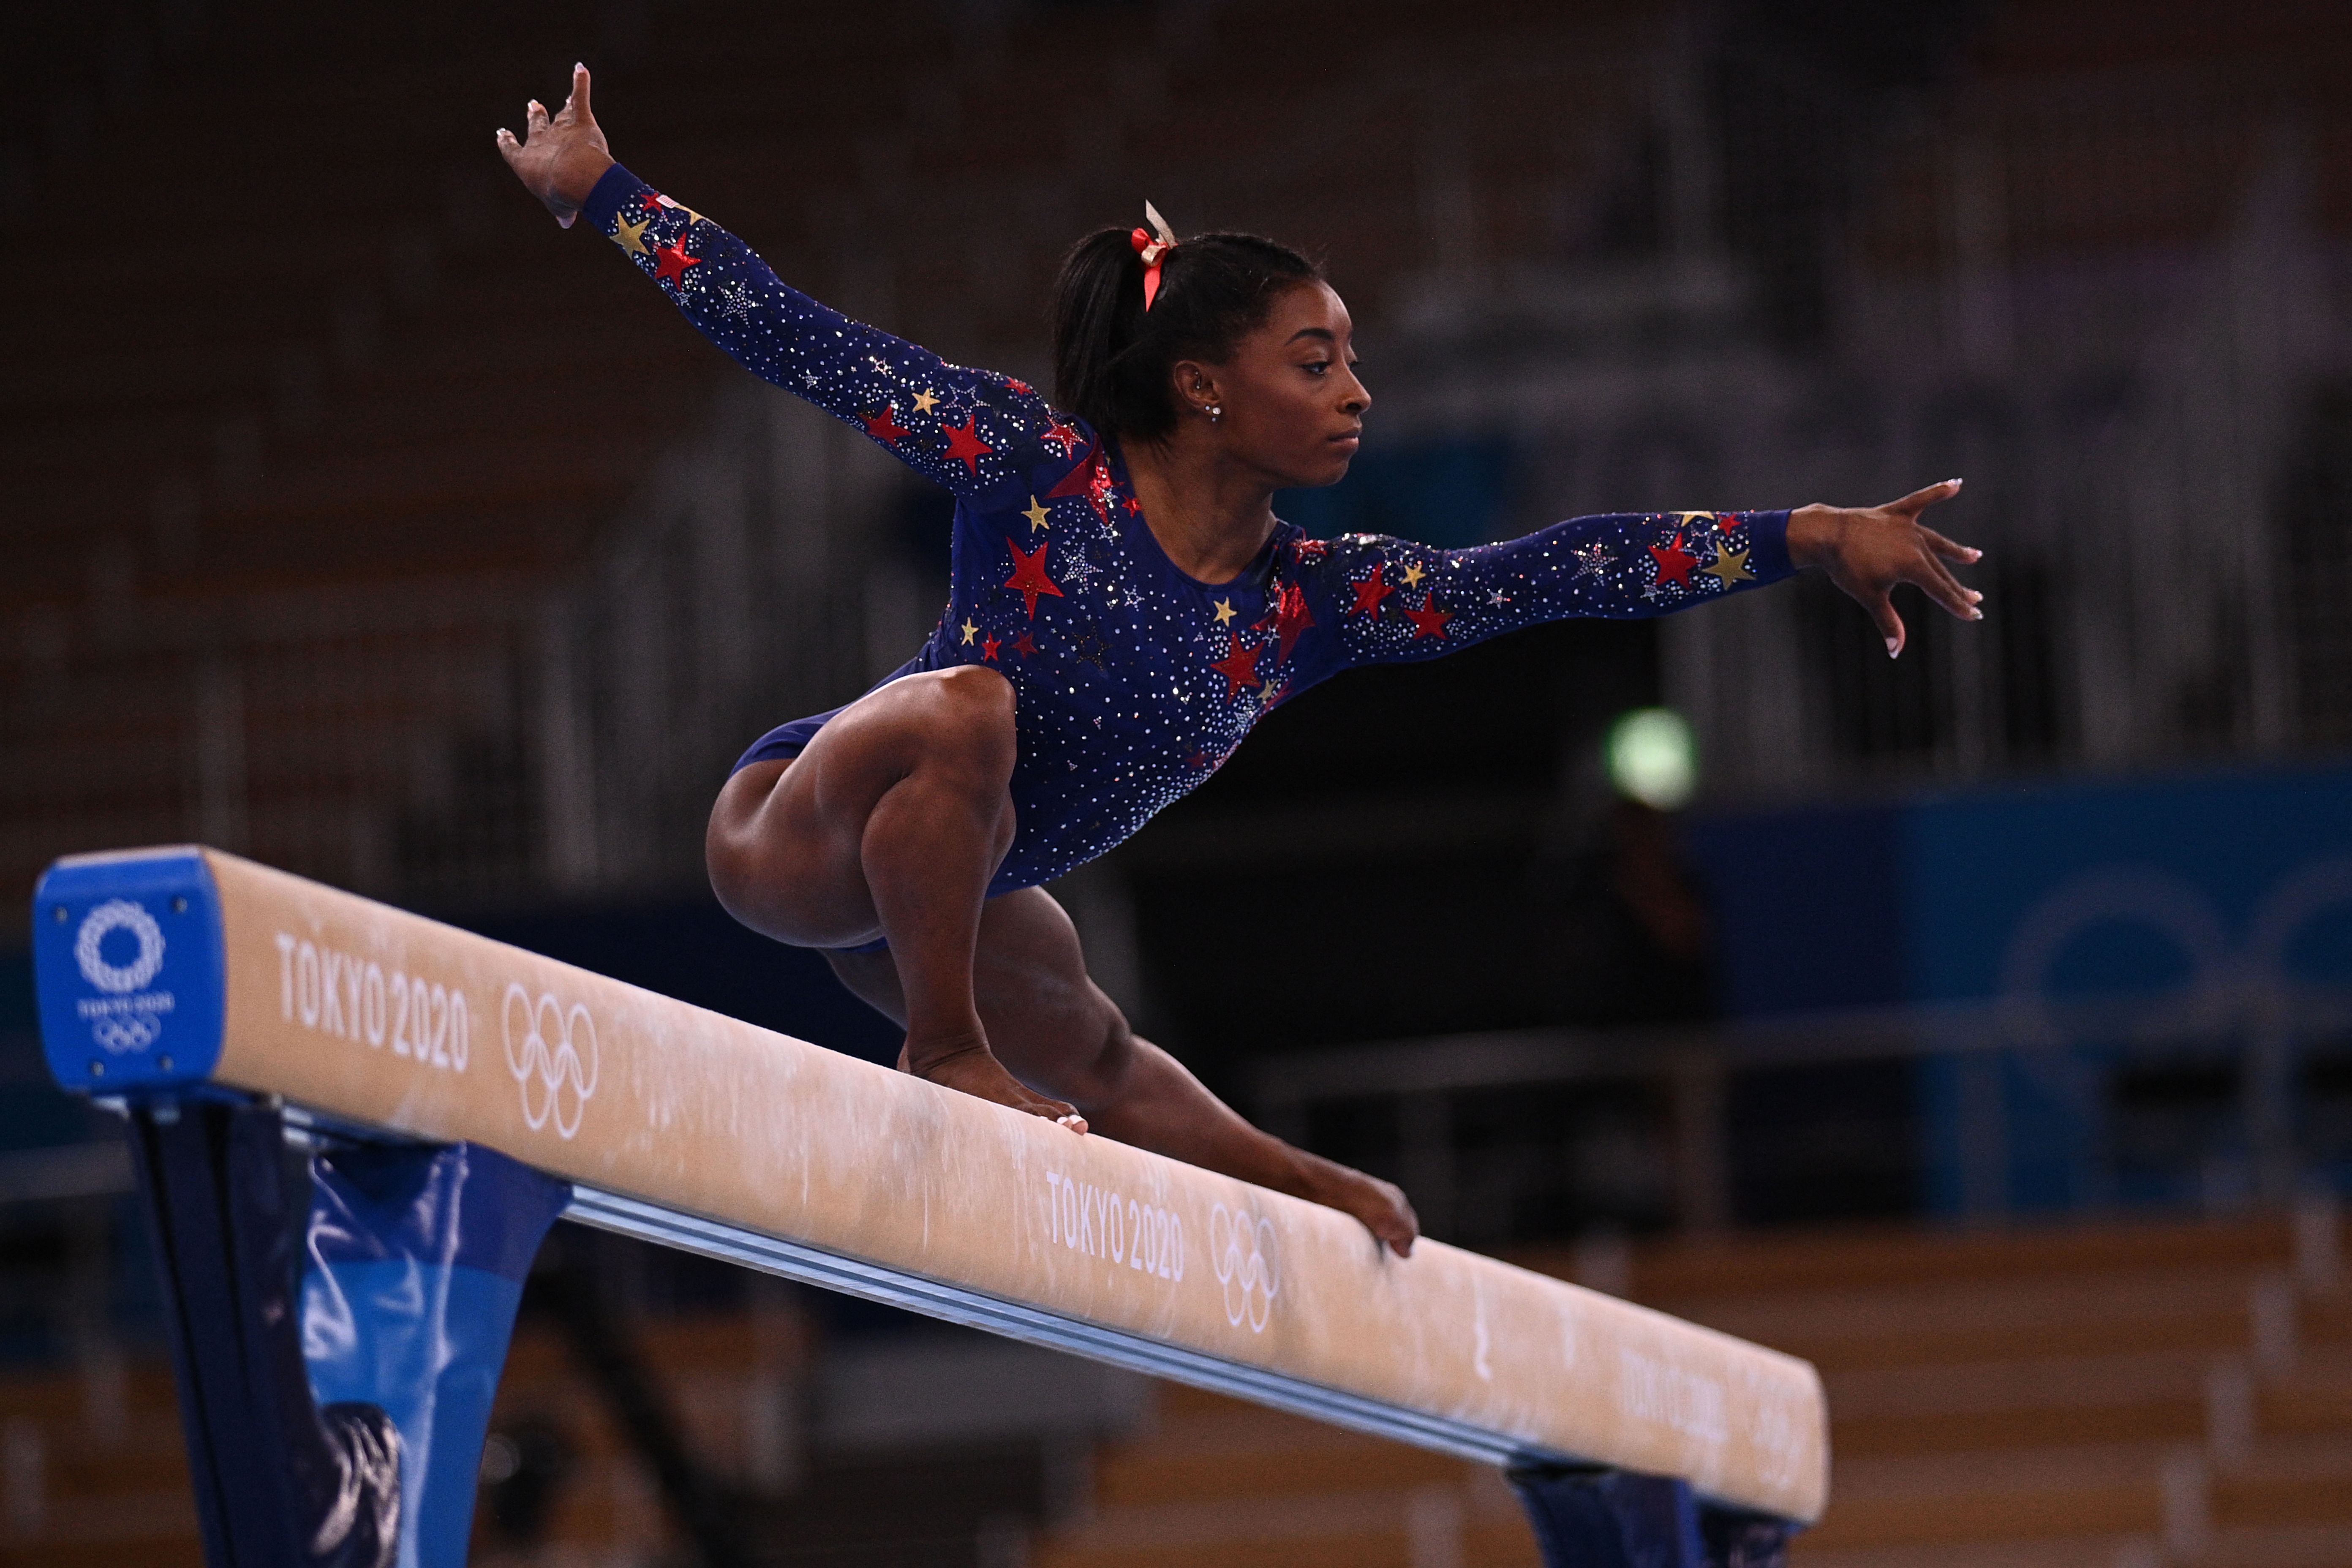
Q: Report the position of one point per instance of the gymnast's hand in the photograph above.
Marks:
(559, 159)
(1867, 550)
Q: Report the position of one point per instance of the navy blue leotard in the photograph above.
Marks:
(1133, 681)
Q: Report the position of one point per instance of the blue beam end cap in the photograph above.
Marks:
(131, 968)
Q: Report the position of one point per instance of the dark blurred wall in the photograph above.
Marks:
(2126, 959)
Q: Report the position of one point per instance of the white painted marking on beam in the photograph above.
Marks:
(1243, 1252)
(341, 994)
(1649, 1389)
(1121, 1230)
(552, 1052)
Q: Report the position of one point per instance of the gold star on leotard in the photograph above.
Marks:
(927, 401)
(1730, 567)
(631, 237)
(970, 631)
(1034, 513)
(1224, 611)
(1413, 573)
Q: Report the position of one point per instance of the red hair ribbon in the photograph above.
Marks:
(1153, 249)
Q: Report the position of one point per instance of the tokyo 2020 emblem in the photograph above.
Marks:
(114, 915)
(124, 1026)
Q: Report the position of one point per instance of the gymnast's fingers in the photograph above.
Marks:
(1932, 574)
(1403, 1229)
(1951, 550)
(578, 102)
(509, 148)
(1890, 625)
(1946, 589)
(1920, 500)
(1967, 594)
(535, 118)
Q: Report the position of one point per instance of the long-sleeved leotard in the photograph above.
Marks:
(1133, 681)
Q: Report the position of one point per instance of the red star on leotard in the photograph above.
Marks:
(1309, 549)
(1370, 591)
(1058, 434)
(1674, 563)
(1428, 621)
(988, 646)
(1091, 479)
(670, 262)
(1016, 386)
(1029, 574)
(1291, 617)
(1025, 645)
(964, 444)
(1132, 505)
(1239, 666)
(884, 425)
(652, 202)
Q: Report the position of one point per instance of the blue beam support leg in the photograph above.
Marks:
(1611, 1519)
(338, 1326)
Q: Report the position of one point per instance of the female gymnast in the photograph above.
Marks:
(1125, 605)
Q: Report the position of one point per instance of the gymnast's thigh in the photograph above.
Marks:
(786, 841)
(784, 844)
(778, 865)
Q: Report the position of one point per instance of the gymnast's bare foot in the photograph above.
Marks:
(1381, 1205)
(967, 1064)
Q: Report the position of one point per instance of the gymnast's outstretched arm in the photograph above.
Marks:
(1373, 599)
(959, 426)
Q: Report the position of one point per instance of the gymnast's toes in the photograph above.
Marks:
(970, 1068)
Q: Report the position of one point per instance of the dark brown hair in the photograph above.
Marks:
(1112, 358)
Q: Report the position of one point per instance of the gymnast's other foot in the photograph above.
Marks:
(1381, 1205)
(967, 1064)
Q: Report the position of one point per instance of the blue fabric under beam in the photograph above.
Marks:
(279, 1482)
(1611, 1519)
(414, 1262)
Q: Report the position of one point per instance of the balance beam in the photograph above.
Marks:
(184, 972)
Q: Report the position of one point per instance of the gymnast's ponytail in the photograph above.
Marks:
(1113, 358)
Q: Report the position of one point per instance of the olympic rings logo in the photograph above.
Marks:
(553, 1054)
(1242, 1253)
(123, 1034)
(2226, 978)
(114, 915)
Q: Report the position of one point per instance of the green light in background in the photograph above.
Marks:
(1653, 757)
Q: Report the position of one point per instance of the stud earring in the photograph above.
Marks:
(1215, 413)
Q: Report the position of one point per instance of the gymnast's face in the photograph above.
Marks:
(1292, 409)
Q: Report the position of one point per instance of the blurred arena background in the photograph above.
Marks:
(1979, 1024)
